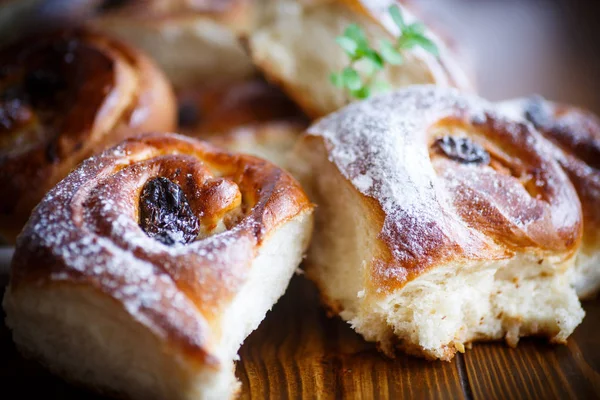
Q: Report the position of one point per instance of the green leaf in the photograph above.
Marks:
(351, 79)
(396, 15)
(357, 35)
(380, 86)
(417, 28)
(349, 45)
(336, 79)
(389, 53)
(374, 58)
(408, 42)
(361, 93)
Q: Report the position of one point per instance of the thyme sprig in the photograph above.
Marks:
(356, 45)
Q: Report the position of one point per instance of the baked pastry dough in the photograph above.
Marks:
(249, 116)
(64, 97)
(440, 222)
(575, 137)
(295, 47)
(193, 42)
(143, 271)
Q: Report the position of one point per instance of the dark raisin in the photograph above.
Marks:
(110, 5)
(463, 150)
(52, 152)
(43, 85)
(537, 112)
(11, 112)
(188, 115)
(165, 214)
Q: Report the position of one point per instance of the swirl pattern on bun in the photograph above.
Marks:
(574, 134)
(440, 222)
(164, 253)
(64, 97)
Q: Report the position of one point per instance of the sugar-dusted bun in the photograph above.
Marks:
(191, 42)
(575, 136)
(64, 97)
(296, 47)
(440, 222)
(143, 271)
(247, 116)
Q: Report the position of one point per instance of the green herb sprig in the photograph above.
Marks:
(355, 44)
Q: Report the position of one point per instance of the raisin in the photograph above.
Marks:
(463, 150)
(188, 115)
(110, 5)
(42, 85)
(165, 214)
(538, 113)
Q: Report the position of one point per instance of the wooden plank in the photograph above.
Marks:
(535, 370)
(303, 353)
(298, 352)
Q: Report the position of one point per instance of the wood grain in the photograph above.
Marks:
(298, 352)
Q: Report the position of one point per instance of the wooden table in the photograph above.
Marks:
(298, 352)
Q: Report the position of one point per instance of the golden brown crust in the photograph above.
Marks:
(438, 210)
(87, 232)
(234, 13)
(216, 109)
(576, 134)
(65, 97)
(248, 116)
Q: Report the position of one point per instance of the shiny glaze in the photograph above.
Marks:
(86, 232)
(434, 210)
(220, 108)
(64, 97)
(575, 134)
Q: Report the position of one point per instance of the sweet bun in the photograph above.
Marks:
(295, 47)
(193, 42)
(575, 137)
(440, 222)
(248, 116)
(143, 271)
(64, 97)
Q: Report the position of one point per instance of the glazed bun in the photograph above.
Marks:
(248, 116)
(64, 97)
(193, 42)
(144, 270)
(575, 137)
(295, 47)
(440, 222)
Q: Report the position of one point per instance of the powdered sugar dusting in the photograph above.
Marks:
(382, 146)
(378, 144)
(86, 230)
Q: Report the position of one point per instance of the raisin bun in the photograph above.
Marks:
(440, 222)
(65, 96)
(575, 137)
(193, 42)
(295, 46)
(143, 271)
(249, 116)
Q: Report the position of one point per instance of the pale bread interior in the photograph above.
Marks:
(443, 309)
(89, 338)
(193, 50)
(296, 47)
(270, 141)
(586, 274)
